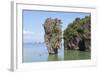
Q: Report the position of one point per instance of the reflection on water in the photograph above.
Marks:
(76, 55)
(39, 53)
(53, 58)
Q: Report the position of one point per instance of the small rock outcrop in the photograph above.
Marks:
(53, 34)
(77, 36)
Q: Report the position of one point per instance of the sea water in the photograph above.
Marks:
(37, 52)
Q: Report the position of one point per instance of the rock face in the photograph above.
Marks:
(53, 34)
(77, 36)
(85, 41)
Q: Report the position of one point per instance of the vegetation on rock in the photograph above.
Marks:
(78, 34)
(52, 35)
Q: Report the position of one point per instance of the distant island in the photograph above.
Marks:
(34, 43)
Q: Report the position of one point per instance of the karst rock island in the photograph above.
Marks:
(53, 35)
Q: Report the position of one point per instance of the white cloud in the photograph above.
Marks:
(29, 36)
(27, 32)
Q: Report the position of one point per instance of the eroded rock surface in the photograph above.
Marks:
(53, 33)
(77, 36)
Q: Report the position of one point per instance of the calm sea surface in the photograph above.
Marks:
(33, 52)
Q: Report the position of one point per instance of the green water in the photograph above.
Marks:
(70, 55)
(76, 55)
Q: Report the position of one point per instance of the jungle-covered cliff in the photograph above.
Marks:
(77, 36)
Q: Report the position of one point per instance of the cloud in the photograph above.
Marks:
(27, 32)
(29, 36)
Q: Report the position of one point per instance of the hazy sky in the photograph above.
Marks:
(33, 21)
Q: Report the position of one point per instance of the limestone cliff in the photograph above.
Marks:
(78, 34)
(53, 33)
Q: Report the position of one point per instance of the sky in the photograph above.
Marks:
(33, 21)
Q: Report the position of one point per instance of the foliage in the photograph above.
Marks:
(78, 28)
(52, 35)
